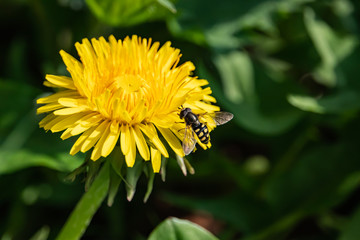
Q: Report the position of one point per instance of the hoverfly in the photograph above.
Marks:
(193, 125)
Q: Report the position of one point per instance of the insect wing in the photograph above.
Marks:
(221, 118)
(189, 141)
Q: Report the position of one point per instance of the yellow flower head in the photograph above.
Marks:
(126, 91)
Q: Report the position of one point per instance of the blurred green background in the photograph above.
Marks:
(286, 167)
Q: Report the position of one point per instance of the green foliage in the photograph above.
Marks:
(352, 230)
(130, 12)
(286, 167)
(177, 229)
(89, 203)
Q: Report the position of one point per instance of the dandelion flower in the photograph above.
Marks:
(125, 94)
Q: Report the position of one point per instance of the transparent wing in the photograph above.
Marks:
(221, 118)
(189, 141)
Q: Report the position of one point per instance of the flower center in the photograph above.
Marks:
(129, 82)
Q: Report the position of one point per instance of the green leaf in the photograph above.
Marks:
(130, 12)
(209, 23)
(236, 71)
(306, 103)
(163, 168)
(84, 211)
(330, 47)
(352, 230)
(11, 161)
(93, 169)
(42, 234)
(117, 160)
(167, 4)
(115, 181)
(177, 229)
(132, 176)
(151, 175)
(343, 101)
(79, 170)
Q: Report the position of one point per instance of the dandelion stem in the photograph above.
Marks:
(81, 216)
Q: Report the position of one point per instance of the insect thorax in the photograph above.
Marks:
(192, 119)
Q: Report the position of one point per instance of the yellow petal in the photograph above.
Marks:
(67, 133)
(72, 102)
(111, 139)
(67, 122)
(209, 98)
(54, 97)
(116, 109)
(151, 133)
(49, 84)
(141, 143)
(61, 81)
(97, 151)
(173, 141)
(155, 159)
(54, 121)
(162, 121)
(207, 107)
(48, 107)
(199, 83)
(137, 109)
(46, 120)
(130, 157)
(125, 139)
(86, 53)
(77, 72)
(102, 104)
(68, 111)
(94, 136)
(86, 122)
(120, 111)
(78, 144)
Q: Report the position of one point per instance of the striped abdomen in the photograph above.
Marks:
(202, 132)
